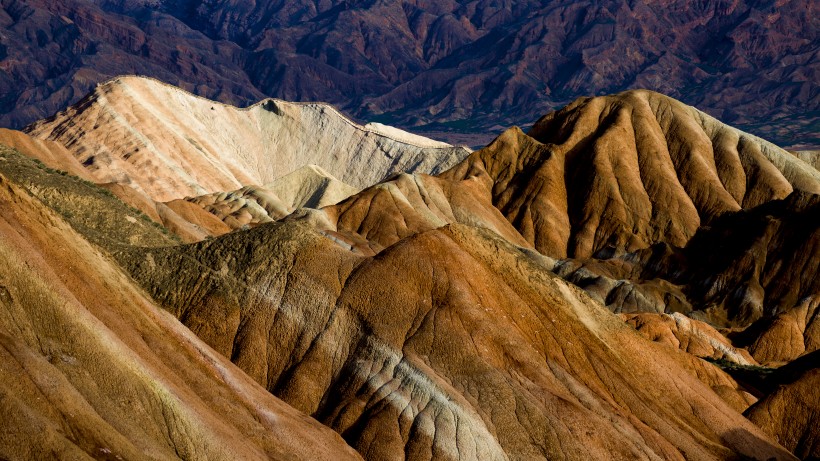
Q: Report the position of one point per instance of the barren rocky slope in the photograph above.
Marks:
(630, 179)
(171, 144)
(689, 335)
(792, 412)
(450, 344)
(92, 369)
(613, 174)
(424, 317)
(746, 266)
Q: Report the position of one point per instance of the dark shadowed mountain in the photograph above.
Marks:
(443, 67)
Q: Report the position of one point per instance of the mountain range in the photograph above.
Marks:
(630, 278)
(460, 70)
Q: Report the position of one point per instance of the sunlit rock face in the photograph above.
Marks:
(170, 144)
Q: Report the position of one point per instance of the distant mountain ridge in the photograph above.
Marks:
(467, 66)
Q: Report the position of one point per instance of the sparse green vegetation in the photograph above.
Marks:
(92, 210)
(757, 379)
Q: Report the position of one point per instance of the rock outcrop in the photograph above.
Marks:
(422, 317)
(620, 173)
(786, 336)
(307, 187)
(692, 336)
(460, 66)
(746, 266)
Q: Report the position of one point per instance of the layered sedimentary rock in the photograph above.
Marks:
(812, 157)
(622, 172)
(628, 179)
(409, 204)
(422, 317)
(692, 336)
(91, 368)
(465, 65)
(745, 266)
(52, 154)
(786, 336)
(171, 144)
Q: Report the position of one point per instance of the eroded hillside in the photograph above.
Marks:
(467, 314)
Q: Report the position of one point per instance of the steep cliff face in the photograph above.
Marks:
(466, 65)
(171, 144)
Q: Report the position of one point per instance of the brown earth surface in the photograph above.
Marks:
(451, 343)
(791, 413)
(91, 368)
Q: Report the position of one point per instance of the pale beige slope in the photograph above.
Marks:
(450, 344)
(307, 187)
(171, 144)
(812, 157)
(310, 187)
(250, 205)
(92, 369)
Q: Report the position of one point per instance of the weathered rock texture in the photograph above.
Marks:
(692, 336)
(786, 336)
(812, 157)
(171, 144)
(90, 368)
(423, 317)
(628, 179)
(409, 204)
(642, 168)
(791, 413)
(745, 266)
(449, 344)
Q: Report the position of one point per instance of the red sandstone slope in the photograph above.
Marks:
(417, 319)
(620, 173)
